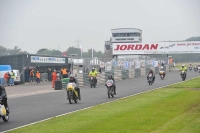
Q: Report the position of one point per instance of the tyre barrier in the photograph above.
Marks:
(58, 85)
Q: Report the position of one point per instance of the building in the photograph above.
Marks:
(39, 62)
(124, 35)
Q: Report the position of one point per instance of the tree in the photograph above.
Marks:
(73, 50)
(49, 52)
(16, 50)
(3, 51)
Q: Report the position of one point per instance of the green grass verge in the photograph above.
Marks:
(174, 109)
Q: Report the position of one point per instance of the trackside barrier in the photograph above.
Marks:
(119, 75)
(137, 73)
(143, 72)
(80, 79)
(85, 80)
(131, 74)
(101, 78)
(125, 74)
(44, 76)
(147, 70)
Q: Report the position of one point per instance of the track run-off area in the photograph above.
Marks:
(32, 107)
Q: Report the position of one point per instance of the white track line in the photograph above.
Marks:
(95, 105)
(31, 93)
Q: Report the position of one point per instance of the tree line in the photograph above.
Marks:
(52, 52)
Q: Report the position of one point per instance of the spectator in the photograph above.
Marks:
(86, 71)
(31, 75)
(100, 69)
(27, 72)
(49, 71)
(6, 78)
(38, 77)
(34, 76)
(83, 69)
(162, 64)
(12, 74)
(64, 72)
(54, 77)
(8, 81)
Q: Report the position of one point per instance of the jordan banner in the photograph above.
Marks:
(156, 48)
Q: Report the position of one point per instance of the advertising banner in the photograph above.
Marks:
(155, 63)
(126, 64)
(40, 59)
(108, 66)
(156, 48)
(137, 64)
(102, 64)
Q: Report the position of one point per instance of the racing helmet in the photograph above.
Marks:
(110, 76)
(93, 69)
(71, 76)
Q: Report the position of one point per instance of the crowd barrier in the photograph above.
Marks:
(119, 75)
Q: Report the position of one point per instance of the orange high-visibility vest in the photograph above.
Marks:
(64, 71)
(38, 75)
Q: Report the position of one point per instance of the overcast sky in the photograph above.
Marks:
(35, 24)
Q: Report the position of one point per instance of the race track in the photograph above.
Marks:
(28, 109)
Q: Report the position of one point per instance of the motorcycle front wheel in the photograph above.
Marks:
(109, 93)
(5, 118)
(70, 97)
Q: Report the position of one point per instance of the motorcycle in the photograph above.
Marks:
(150, 79)
(162, 75)
(93, 82)
(183, 75)
(110, 87)
(190, 68)
(198, 68)
(195, 68)
(3, 114)
(72, 94)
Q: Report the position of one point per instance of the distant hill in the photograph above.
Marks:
(193, 39)
(189, 39)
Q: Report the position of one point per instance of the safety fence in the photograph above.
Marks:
(119, 75)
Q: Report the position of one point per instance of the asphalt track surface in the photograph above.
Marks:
(28, 109)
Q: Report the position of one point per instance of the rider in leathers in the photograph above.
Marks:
(73, 80)
(112, 78)
(183, 68)
(162, 69)
(93, 73)
(152, 72)
(3, 97)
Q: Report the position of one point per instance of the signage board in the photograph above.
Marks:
(156, 48)
(40, 59)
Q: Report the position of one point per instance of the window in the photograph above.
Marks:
(114, 34)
